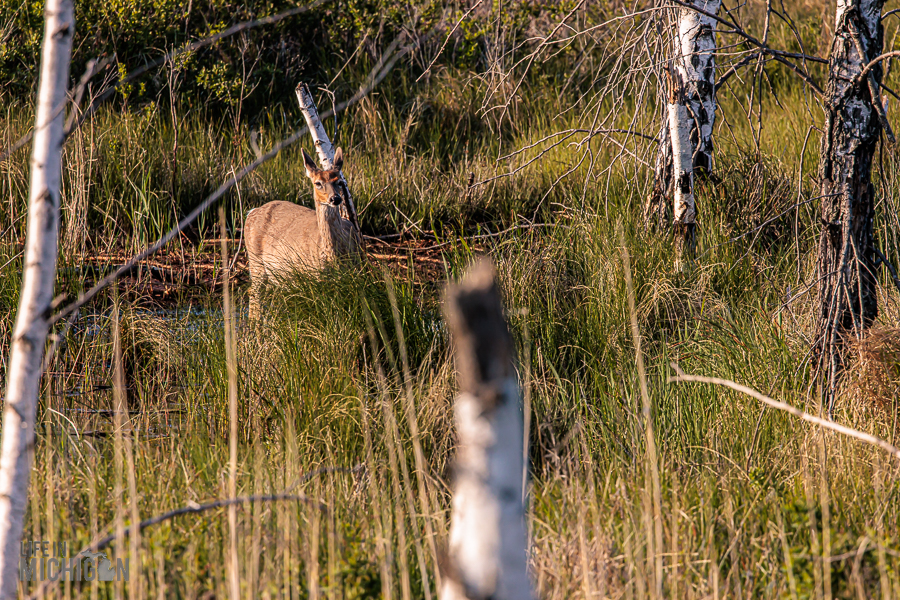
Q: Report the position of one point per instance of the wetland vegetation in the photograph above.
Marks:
(754, 503)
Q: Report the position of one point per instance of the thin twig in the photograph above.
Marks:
(874, 62)
(99, 543)
(184, 510)
(738, 30)
(734, 69)
(766, 222)
(93, 67)
(890, 268)
(567, 133)
(358, 468)
(449, 35)
(837, 427)
(390, 236)
(492, 235)
(779, 55)
(809, 81)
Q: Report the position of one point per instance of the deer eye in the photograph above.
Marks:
(319, 185)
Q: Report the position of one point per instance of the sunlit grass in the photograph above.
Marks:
(747, 493)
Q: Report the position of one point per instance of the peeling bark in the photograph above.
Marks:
(684, 211)
(656, 208)
(487, 554)
(30, 334)
(695, 67)
(846, 263)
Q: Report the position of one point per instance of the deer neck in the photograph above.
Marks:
(331, 237)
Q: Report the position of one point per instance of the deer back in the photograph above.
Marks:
(281, 237)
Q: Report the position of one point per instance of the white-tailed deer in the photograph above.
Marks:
(283, 237)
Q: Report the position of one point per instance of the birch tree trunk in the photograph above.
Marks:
(695, 66)
(325, 151)
(487, 554)
(684, 211)
(30, 334)
(846, 265)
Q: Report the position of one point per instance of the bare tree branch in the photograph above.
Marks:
(449, 35)
(738, 30)
(805, 416)
(192, 509)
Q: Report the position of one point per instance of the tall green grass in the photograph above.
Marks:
(754, 503)
(745, 490)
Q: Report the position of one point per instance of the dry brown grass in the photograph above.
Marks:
(874, 368)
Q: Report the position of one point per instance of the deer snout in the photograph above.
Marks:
(335, 200)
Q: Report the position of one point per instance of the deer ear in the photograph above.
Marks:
(309, 163)
(338, 159)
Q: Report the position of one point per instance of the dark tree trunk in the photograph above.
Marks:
(845, 266)
(656, 210)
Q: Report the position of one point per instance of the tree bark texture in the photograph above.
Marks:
(487, 554)
(30, 333)
(846, 264)
(325, 151)
(657, 207)
(695, 66)
(684, 211)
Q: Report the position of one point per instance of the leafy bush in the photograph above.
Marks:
(255, 68)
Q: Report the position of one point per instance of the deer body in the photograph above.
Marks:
(283, 237)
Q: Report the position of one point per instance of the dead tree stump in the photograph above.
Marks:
(487, 553)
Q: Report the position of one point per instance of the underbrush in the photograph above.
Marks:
(346, 386)
(348, 364)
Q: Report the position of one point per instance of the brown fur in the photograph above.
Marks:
(283, 237)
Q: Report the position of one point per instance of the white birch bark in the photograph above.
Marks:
(325, 149)
(487, 553)
(696, 66)
(683, 209)
(30, 334)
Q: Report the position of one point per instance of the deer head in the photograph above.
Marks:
(329, 192)
(328, 186)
